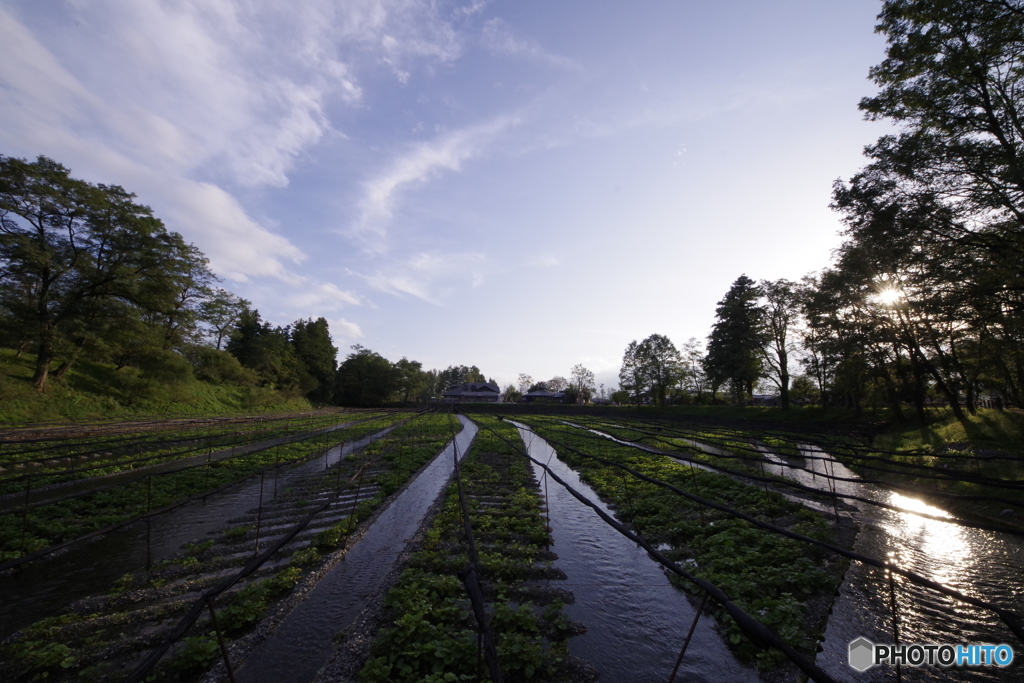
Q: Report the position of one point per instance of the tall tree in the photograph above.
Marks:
(631, 375)
(410, 378)
(268, 351)
(65, 242)
(660, 365)
(782, 301)
(736, 340)
(582, 382)
(221, 311)
(312, 343)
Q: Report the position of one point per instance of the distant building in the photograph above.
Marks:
(473, 392)
(544, 396)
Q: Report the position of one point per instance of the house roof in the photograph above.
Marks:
(544, 393)
(474, 389)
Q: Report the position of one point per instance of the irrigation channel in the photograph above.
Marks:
(46, 586)
(983, 564)
(636, 619)
(304, 641)
(886, 607)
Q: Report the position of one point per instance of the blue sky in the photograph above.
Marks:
(521, 186)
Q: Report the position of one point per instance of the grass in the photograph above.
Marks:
(988, 430)
(92, 390)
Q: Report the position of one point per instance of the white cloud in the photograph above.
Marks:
(178, 101)
(323, 297)
(344, 329)
(419, 276)
(545, 261)
(498, 37)
(419, 164)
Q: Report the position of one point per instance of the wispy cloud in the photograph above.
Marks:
(344, 329)
(423, 275)
(182, 102)
(323, 297)
(422, 162)
(498, 37)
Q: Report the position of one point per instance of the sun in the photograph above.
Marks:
(888, 296)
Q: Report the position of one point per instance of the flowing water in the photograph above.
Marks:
(636, 620)
(302, 644)
(45, 587)
(983, 564)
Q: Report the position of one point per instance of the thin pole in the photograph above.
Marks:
(686, 642)
(259, 515)
(149, 522)
(24, 517)
(220, 641)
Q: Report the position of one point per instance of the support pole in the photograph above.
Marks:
(686, 642)
(220, 641)
(259, 515)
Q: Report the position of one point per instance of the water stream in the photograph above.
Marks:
(636, 620)
(45, 587)
(304, 641)
(983, 564)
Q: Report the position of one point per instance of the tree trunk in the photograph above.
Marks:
(44, 356)
(66, 365)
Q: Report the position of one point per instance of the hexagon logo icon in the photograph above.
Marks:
(862, 654)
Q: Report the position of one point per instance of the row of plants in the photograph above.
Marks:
(45, 526)
(81, 459)
(103, 637)
(431, 634)
(781, 582)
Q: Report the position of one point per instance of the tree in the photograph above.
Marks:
(631, 374)
(620, 397)
(454, 375)
(660, 365)
(952, 78)
(65, 243)
(524, 382)
(269, 352)
(365, 378)
(511, 394)
(311, 341)
(557, 383)
(693, 377)
(410, 378)
(582, 383)
(221, 311)
(781, 311)
(734, 346)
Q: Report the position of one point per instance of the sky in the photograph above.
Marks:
(521, 186)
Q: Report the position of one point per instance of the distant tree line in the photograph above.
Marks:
(87, 273)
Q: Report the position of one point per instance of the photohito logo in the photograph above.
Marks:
(864, 654)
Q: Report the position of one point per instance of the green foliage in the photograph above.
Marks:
(432, 634)
(306, 558)
(196, 654)
(312, 343)
(736, 340)
(365, 378)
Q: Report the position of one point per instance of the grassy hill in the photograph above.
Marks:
(94, 390)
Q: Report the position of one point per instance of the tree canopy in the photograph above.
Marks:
(78, 259)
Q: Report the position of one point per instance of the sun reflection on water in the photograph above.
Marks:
(939, 550)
